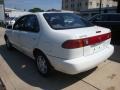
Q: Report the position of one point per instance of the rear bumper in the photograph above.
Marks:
(77, 65)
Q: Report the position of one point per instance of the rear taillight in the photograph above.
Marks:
(78, 43)
(71, 44)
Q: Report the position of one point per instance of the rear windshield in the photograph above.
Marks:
(60, 21)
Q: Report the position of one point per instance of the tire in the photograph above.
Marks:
(8, 44)
(43, 65)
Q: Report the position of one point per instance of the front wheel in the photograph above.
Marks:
(43, 65)
(8, 44)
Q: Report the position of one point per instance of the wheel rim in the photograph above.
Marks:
(42, 66)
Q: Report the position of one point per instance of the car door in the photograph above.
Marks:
(19, 25)
(30, 34)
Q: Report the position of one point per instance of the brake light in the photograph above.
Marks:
(78, 43)
(97, 39)
(71, 44)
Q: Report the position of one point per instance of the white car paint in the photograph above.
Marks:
(49, 41)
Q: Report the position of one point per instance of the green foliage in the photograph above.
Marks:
(36, 10)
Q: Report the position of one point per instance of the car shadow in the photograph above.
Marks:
(25, 68)
(115, 37)
(116, 42)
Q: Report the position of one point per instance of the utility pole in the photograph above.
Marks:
(100, 8)
(2, 11)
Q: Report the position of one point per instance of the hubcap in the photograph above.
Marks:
(42, 66)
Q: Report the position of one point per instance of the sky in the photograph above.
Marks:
(28, 4)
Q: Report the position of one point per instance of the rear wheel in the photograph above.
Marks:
(43, 65)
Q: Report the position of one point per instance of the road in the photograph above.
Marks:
(19, 72)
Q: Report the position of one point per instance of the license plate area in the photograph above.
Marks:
(89, 50)
(97, 47)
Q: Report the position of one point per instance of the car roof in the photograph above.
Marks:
(41, 13)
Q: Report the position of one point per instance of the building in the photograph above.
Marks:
(89, 8)
(78, 5)
(91, 12)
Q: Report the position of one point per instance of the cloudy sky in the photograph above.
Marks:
(28, 4)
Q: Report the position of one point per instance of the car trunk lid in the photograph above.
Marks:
(94, 39)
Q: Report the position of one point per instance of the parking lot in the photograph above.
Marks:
(19, 72)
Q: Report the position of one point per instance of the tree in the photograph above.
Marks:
(118, 6)
(35, 10)
(52, 10)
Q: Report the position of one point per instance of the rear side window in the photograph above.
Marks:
(60, 21)
(31, 24)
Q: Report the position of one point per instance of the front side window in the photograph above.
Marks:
(19, 25)
(27, 23)
(65, 21)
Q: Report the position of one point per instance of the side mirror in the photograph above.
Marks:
(9, 27)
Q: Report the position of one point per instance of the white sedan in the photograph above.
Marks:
(60, 40)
